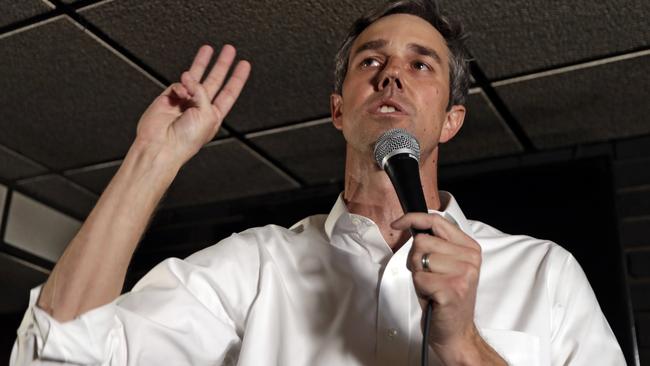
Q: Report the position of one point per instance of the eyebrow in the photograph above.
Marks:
(425, 51)
(370, 45)
(417, 48)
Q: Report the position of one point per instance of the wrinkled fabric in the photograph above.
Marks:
(327, 291)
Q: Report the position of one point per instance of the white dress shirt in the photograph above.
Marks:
(328, 291)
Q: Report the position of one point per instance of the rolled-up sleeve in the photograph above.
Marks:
(180, 313)
(89, 339)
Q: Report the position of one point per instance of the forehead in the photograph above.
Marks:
(399, 30)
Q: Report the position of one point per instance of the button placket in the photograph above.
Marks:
(393, 313)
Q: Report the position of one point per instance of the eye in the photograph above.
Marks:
(418, 65)
(369, 62)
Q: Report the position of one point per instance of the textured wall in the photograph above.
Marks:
(633, 196)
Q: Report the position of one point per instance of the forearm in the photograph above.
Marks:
(91, 270)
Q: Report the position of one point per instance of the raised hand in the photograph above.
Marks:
(91, 271)
(188, 113)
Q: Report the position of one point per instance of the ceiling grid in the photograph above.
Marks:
(286, 101)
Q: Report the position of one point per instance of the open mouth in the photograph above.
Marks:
(385, 108)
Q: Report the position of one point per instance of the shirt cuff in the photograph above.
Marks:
(90, 338)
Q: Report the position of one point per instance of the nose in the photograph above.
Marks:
(390, 77)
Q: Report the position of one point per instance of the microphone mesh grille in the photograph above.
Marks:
(393, 141)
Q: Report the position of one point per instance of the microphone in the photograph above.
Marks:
(397, 153)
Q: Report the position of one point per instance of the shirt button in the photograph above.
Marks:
(356, 221)
(392, 333)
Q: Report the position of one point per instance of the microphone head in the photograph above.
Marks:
(396, 141)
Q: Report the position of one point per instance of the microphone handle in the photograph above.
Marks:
(403, 171)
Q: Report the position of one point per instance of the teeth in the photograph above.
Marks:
(387, 109)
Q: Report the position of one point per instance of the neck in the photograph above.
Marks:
(370, 193)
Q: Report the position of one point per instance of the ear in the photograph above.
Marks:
(453, 123)
(336, 109)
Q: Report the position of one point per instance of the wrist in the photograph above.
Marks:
(467, 350)
(460, 351)
(154, 157)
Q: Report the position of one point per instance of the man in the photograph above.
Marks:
(342, 289)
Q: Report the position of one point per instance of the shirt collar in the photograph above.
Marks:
(450, 210)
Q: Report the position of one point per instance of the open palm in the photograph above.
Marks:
(189, 113)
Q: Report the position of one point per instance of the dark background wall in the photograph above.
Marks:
(632, 172)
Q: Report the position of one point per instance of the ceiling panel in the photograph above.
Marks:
(14, 11)
(484, 134)
(586, 105)
(38, 228)
(14, 166)
(3, 199)
(513, 37)
(60, 194)
(95, 177)
(17, 277)
(291, 45)
(78, 102)
(315, 152)
(224, 170)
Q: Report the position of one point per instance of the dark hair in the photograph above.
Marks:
(450, 29)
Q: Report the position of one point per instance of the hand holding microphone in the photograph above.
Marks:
(445, 267)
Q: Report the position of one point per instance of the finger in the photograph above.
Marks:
(442, 263)
(230, 92)
(438, 224)
(438, 263)
(434, 286)
(201, 61)
(215, 78)
(195, 89)
(180, 91)
(417, 220)
(424, 244)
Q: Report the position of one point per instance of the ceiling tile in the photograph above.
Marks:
(586, 105)
(198, 181)
(95, 177)
(14, 11)
(484, 134)
(291, 45)
(59, 193)
(513, 37)
(3, 199)
(224, 170)
(315, 152)
(38, 228)
(17, 277)
(79, 102)
(14, 166)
